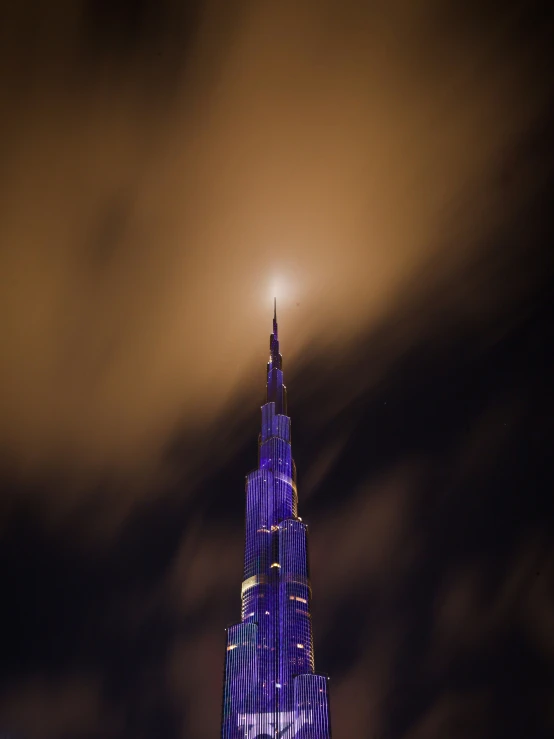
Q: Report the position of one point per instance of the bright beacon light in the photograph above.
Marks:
(279, 287)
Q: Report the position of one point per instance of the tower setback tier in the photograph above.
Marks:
(271, 689)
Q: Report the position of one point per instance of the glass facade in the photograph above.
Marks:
(271, 690)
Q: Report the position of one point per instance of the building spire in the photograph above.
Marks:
(276, 391)
(275, 323)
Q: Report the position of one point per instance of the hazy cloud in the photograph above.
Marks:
(144, 236)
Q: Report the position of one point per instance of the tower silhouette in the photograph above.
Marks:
(271, 689)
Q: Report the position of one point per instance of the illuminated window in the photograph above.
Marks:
(231, 646)
(300, 646)
(276, 564)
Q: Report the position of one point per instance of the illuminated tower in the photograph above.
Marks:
(271, 690)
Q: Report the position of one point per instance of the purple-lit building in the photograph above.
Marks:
(271, 690)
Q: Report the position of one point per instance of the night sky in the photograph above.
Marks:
(387, 171)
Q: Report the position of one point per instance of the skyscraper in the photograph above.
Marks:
(271, 689)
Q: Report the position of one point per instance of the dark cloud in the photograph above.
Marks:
(53, 708)
(122, 25)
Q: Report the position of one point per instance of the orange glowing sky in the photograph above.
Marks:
(154, 204)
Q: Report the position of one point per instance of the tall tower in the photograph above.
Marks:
(271, 689)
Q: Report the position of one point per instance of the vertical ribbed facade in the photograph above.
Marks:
(270, 686)
(239, 696)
